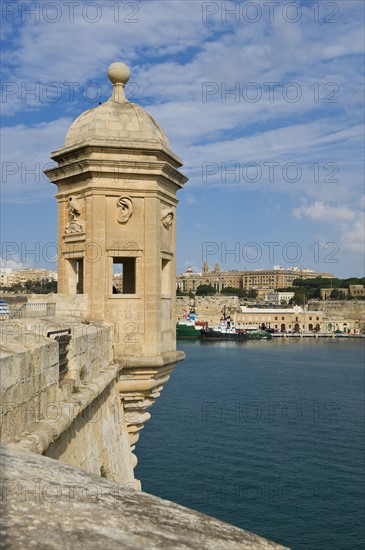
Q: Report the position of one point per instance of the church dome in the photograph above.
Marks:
(117, 121)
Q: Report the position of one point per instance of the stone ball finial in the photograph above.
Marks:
(119, 73)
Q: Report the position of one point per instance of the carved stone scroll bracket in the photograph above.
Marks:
(139, 387)
(124, 209)
(74, 227)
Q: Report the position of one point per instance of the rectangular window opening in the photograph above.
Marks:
(124, 275)
(76, 276)
(166, 277)
(79, 276)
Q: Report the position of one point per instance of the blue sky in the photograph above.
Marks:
(262, 100)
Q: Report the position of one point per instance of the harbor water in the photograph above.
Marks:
(266, 435)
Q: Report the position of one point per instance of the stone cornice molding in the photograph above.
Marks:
(66, 154)
(117, 169)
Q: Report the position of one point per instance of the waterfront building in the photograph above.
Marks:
(258, 279)
(296, 319)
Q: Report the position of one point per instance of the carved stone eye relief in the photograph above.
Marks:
(124, 209)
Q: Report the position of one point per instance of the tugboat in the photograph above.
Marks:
(189, 328)
(226, 330)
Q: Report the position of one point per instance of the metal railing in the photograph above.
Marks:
(33, 309)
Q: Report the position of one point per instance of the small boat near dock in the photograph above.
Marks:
(226, 330)
(189, 328)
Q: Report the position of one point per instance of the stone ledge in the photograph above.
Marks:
(159, 361)
(40, 436)
(49, 505)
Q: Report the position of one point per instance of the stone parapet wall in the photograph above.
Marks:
(78, 419)
(29, 378)
(53, 505)
(96, 438)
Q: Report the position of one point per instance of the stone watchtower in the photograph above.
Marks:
(117, 181)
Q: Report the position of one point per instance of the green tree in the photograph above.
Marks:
(231, 291)
(40, 287)
(205, 290)
(337, 294)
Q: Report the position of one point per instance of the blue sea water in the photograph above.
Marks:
(266, 435)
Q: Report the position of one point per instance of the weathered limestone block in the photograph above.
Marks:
(28, 378)
(50, 505)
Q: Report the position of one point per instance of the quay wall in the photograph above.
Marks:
(211, 308)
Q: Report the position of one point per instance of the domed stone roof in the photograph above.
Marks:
(117, 121)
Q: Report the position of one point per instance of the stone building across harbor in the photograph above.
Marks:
(262, 280)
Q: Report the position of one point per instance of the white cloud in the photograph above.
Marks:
(25, 154)
(319, 211)
(353, 235)
(13, 263)
(172, 53)
(348, 223)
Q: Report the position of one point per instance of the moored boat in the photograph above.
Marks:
(226, 330)
(189, 328)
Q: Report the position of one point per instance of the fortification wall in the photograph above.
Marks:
(97, 439)
(211, 308)
(344, 310)
(208, 308)
(78, 419)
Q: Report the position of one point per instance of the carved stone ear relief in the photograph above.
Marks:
(124, 209)
(167, 216)
(74, 213)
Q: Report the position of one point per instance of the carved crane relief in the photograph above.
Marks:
(74, 213)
